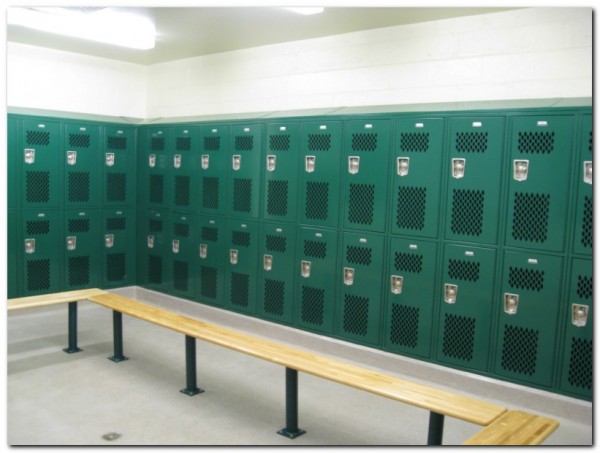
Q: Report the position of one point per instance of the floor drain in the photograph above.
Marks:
(111, 436)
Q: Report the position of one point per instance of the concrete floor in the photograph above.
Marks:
(55, 398)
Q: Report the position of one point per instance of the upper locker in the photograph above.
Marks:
(119, 170)
(159, 164)
(14, 153)
(81, 165)
(244, 175)
(584, 227)
(184, 167)
(213, 169)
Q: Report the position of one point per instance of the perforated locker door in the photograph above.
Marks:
(316, 279)
(182, 249)
(416, 176)
(41, 163)
(41, 252)
(241, 268)
(541, 148)
(13, 156)
(465, 306)
(526, 343)
(366, 166)
(320, 154)
(12, 253)
(213, 169)
(119, 166)
(81, 245)
(185, 165)
(577, 358)
(244, 168)
(152, 249)
(584, 225)
(280, 162)
(118, 231)
(213, 253)
(159, 166)
(360, 281)
(81, 165)
(474, 185)
(410, 295)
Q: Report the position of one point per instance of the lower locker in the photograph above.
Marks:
(182, 252)
(212, 252)
(12, 263)
(118, 249)
(81, 256)
(152, 249)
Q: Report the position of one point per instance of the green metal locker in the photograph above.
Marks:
(244, 170)
(416, 176)
(213, 169)
(186, 162)
(41, 252)
(578, 358)
(465, 306)
(541, 150)
(410, 296)
(474, 185)
(241, 268)
(182, 249)
(159, 163)
(118, 247)
(12, 256)
(152, 249)
(584, 220)
(281, 172)
(316, 279)
(526, 343)
(81, 256)
(13, 156)
(212, 253)
(81, 165)
(277, 271)
(360, 280)
(118, 161)
(366, 161)
(41, 183)
(320, 153)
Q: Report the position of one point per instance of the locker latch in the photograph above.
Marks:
(353, 164)
(29, 156)
(396, 284)
(458, 168)
(305, 268)
(152, 160)
(511, 303)
(150, 241)
(233, 256)
(450, 293)
(29, 246)
(109, 159)
(268, 262)
(579, 315)
(71, 242)
(177, 161)
(109, 240)
(71, 157)
(402, 166)
(271, 160)
(203, 250)
(309, 164)
(587, 172)
(205, 160)
(175, 245)
(236, 162)
(520, 170)
(348, 276)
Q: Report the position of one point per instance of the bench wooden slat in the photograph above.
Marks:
(52, 299)
(515, 428)
(442, 402)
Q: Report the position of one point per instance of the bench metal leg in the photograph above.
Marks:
(72, 330)
(190, 367)
(436, 429)
(291, 405)
(118, 337)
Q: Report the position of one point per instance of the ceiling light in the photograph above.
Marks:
(106, 25)
(307, 10)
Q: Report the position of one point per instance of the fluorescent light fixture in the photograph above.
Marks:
(106, 25)
(307, 10)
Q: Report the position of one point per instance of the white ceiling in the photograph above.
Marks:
(186, 32)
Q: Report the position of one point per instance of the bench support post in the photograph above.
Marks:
(291, 405)
(436, 429)
(72, 330)
(118, 337)
(190, 367)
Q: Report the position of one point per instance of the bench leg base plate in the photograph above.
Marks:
(72, 350)
(289, 434)
(118, 359)
(191, 392)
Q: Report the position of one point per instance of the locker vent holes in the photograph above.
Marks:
(519, 351)
(276, 243)
(274, 297)
(242, 194)
(587, 229)
(591, 142)
(467, 212)
(181, 230)
(581, 363)
(279, 142)
(408, 262)
(116, 187)
(319, 142)
(79, 187)
(79, 270)
(156, 188)
(317, 200)
(459, 337)
(364, 142)
(313, 305)
(208, 282)
(210, 193)
(356, 314)
(315, 249)
(463, 270)
(38, 227)
(180, 275)
(157, 144)
(361, 203)
(38, 186)
(277, 198)
(212, 143)
(527, 279)
(183, 143)
(182, 190)
(116, 143)
(531, 213)
(79, 225)
(38, 275)
(536, 142)
(585, 287)
(410, 209)
(240, 289)
(116, 223)
(241, 238)
(244, 142)
(209, 234)
(155, 269)
(79, 140)
(358, 255)
(471, 142)
(116, 269)
(404, 330)
(38, 138)
(414, 142)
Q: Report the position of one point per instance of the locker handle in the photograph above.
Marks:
(402, 165)
(203, 251)
(29, 155)
(511, 303)
(29, 246)
(71, 242)
(205, 161)
(150, 241)
(175, 245)
(233, 256)
(309, 164)
(236, 162)
(579, 315)
(268, 262)
(152, 160)
(109, 240)
(396, 282)
(587, 172)
(520, 169)
(458, 168)
(305, 268)
(450, 293)
(71, 157)
(348, 276)
(353, 164)
(177, 161)
(109, 159)
(271, 161)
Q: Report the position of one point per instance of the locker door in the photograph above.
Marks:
(81, 249)
(182, 252)
(12, 257)
(366, 160)
(184, 167)
(118, 166)
(241, 265)
(281, 172)
(577, 358)
(152, 249)
(81, 165)
(360, 301)
(118, 248)
(527, 336)
(320, 153)
(541, 148)
(276, 275)
(584, 227)
(40, 154)
(410, 295)
(417, 166)
(159, 161)
(213, 169)
(212, 252)
(244, 171)
(316, 279)
(473, 195)
(41, 252)
(466, 306)
(13, 172)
